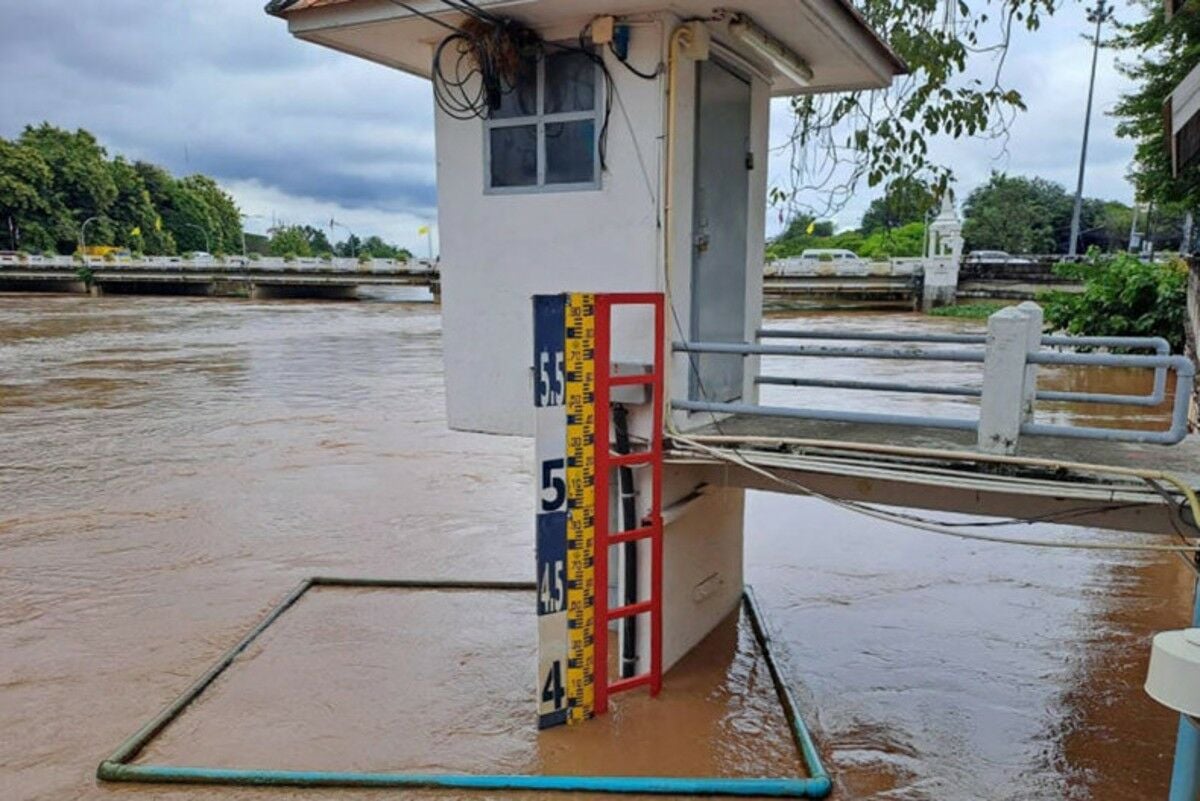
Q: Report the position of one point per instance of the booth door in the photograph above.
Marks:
(719, 229)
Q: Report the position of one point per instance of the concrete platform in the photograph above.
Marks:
(853, 462)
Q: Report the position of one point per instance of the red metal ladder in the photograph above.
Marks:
(651, 526)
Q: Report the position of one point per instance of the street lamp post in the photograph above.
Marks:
(1099, 15)
(203, 230)
(83, 236)
(349, 236)
(248, 217)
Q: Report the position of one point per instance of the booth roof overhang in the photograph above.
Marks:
(830, 35)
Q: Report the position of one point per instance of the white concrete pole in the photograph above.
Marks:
(1034, 320)
(1002, 406)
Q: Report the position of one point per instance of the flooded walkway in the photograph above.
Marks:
(170, 468)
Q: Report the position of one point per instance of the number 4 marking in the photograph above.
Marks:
(552, 689)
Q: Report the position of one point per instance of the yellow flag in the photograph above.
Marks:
(137, 231)
(424, 229)
(812, 226)
(158, 223)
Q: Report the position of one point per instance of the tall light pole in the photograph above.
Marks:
(349, 236)
(248, 217)
(203, 230)
(1099, 15)
(83, 235)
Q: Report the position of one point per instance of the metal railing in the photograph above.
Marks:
(1009, 387)
(1158, 345)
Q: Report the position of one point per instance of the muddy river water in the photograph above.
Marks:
(170, 468)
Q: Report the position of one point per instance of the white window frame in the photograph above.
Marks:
(540, 119)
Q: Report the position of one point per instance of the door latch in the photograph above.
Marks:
(701, 242)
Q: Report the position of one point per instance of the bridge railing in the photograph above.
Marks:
(224, 264)
(1010, 356)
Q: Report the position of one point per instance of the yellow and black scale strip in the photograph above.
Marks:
(580, 358)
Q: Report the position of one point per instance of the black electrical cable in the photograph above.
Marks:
(470, 65)
(648, 76)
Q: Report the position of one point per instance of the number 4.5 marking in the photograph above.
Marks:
(551, 589)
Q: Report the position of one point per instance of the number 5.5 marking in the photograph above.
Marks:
(555, 483)
(552, 377)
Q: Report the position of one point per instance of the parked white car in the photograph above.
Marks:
(836, 261)
(995, 257)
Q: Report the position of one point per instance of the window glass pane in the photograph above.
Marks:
(514, 155)
(519, 100)
(570, 82)
(571, 152)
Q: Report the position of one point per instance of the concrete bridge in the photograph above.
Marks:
(263, 278)
(906, 283)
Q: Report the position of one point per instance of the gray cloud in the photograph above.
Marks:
(221, 88)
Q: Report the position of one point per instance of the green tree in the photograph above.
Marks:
(351, 246)
(1018, 215)
(222, 218)
(376, 248)
(81, 181)
(26, 209)
(1122, 296)
(318, 243)
(289, 240)
(904, 201)
(1163, 53)
(134, 217)
(1105, 225)
(956, 88)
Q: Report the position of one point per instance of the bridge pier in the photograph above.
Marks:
(299, 291)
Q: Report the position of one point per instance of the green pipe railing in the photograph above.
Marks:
(119, 766)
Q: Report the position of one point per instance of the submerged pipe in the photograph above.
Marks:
(642, 785)
(116, 767)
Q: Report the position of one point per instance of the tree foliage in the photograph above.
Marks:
(81, 186)
(1162, 53)
(52, 181)
(1018, 215)
(955, 52)
(906, 200)
(289, 240)
(25, 203)
(1123, 296)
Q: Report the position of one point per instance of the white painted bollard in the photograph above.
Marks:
(1035, 319)
(1004, 403)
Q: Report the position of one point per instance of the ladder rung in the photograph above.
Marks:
(631, 379)
(642, 533)
(630, 459)
(632, 609)
(630, 683)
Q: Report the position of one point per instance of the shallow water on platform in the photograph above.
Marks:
(170, 468)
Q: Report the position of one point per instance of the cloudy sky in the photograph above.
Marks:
(302, 134)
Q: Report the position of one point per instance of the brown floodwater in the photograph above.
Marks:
(170, 468)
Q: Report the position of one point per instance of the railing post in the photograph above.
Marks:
(1003, 405)
(1035, 319)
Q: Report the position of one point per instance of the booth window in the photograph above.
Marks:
(543, 135)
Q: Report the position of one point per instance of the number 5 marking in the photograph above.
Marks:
(554, 483)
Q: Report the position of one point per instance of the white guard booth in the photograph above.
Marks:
(642, 170)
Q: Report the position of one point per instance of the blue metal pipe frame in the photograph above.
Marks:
(1159, 345)
(1185, 776)
(118, 766)
(1183, 367)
